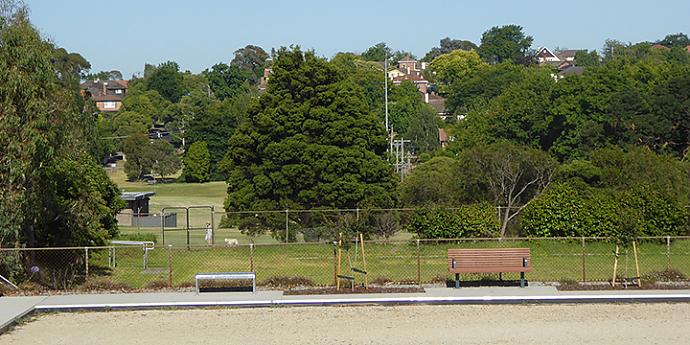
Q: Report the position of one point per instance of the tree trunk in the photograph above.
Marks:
(505, 220)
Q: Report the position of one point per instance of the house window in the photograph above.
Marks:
(118, 91)
(109, 105)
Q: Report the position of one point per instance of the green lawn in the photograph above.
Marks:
(552, 260)
(191, 194)
(397, 262)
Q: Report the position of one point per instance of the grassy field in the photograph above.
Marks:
(393, 262)
(191, 194)
(314, 262)
(183, 195)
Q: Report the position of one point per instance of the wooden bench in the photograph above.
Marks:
(226, 276)
(489, 261)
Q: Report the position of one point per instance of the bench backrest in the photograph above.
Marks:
(492, 260)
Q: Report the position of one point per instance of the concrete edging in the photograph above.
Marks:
(10, 323)
(584, 299)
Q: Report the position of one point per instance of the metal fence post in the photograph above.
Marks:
(213, 226)
(584, 261)
(86, 261)
(187, 208)
(170, 270)
(251, 257)
(668, 252)
(419, 266)
(163, 226)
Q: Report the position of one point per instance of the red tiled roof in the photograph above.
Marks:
(104, 98)
(414, 77)
(438, 103)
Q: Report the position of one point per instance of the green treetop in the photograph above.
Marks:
(310, 142)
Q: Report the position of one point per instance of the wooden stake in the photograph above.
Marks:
(637, 264)
(364, 262)
(615, 267)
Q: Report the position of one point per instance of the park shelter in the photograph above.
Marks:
(138, 202)
(137, 213)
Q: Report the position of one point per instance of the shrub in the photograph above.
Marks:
(287, 281)
(573, 208)
(157, 285)
(570, 209)
(667, 275)
(138, 236)
(103, 283)
(475, 220)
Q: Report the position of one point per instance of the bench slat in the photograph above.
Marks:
(490, 260)
(492, 270)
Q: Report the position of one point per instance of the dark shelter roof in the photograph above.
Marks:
(131, 196)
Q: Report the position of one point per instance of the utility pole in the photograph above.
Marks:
(403, 159)
(385, 88)
(389, 129)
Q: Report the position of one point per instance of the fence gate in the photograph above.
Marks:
(188, 226)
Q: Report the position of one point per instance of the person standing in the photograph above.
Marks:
(209, 234)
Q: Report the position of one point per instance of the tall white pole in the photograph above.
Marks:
(385, 89)
(389, 128)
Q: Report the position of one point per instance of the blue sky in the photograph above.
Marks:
(125, 34)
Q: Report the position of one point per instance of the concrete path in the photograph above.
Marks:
(14, 308)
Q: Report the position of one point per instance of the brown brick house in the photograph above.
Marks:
(107, 94)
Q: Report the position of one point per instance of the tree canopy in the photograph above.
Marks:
(251, 59)
(197, 163)
(377, 52)
(505, 43)
(447, 45)
(167, 80)
(228, 81)
(52, 192)
(309, 142)
(456, 65)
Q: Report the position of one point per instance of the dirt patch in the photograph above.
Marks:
(357, 290)
(612, 324)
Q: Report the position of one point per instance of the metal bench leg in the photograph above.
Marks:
(522, 279)
(457, 280)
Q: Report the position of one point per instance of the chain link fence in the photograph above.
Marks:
(407, 262)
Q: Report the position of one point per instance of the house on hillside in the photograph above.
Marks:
(545, 55)
(395, 73)
(567, 55)
(573, 70)
(443, 138)
(107, 94)
(416, 78)
(561, 60)
(263, 81)
(412, 70)
(439, 104)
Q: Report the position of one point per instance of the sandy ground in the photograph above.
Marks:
(429, 324)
